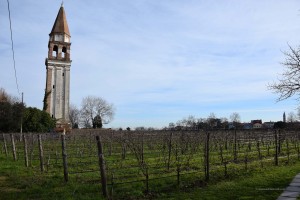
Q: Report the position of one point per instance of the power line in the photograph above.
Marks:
(12, 47)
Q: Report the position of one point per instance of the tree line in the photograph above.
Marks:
(211, 122)
(94, 112)
(234, 122)
(13, 113)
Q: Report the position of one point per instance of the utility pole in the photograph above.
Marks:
(21, 129)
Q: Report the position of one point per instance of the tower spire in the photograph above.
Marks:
(60, 25)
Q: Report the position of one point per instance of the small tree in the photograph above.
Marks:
(291, 117)
(10, 112)
(93, 106)
(171, 125)
(235, 119)
(74, 115)
(212, 120)
(5, 116)
(4, 97)
(36, 120)
(97, 122)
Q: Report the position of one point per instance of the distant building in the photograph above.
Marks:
(284, 118)
(231, 125)
(256, 121)
(247, 126)
(257, 126)
(268, 125)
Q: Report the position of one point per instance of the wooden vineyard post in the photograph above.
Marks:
(279, 139)
(178, 176)
(13, 146)
(288, 150)
(142, 148)
(259, 152)
(246, 159)
(206, 156)
(102, 167)
(235, 147)
(64, 156)
(41, 152)
(48, 162)
(297, 142)
(123, 147)
(268, 148)
(169, 149)
(276, 148)
(112, 187)
(147, 181)
(5, 145)
(31, 149)
(25, 150)
(110, 143)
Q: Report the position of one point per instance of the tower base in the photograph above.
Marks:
(62, 126)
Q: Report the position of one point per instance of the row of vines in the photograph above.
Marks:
(133, 163)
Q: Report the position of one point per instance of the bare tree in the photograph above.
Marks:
(224, 122)
(85, 120)
(235, 117)
(289, 83)
(291, 117)
(74, 115)
(171, 125)
(140, 128)
(92, 106)
(5, 97)
(179, 123)
(191, 121)
(212, 120)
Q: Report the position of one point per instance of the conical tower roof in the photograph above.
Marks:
(61, 24)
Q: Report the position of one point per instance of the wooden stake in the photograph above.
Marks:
(13, 146)
(102, 167)
(25, 150)
(5, 145)
(64, 155)
(41, 153)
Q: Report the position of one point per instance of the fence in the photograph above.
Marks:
(151, 160)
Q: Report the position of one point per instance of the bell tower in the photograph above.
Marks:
(58, 64)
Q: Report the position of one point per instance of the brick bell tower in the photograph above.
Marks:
(58, 63)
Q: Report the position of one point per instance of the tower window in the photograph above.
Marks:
(55, 51)
(63, 52)
(53, 86)
(63, 74)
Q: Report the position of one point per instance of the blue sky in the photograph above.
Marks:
(158, 61)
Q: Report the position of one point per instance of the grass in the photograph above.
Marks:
(18, 182)
(259, 184)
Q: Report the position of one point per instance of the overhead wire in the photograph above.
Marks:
(12, 47)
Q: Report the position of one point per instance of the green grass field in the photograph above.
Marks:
(19, 182)
(257, 178)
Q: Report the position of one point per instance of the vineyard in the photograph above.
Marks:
(131, 164)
